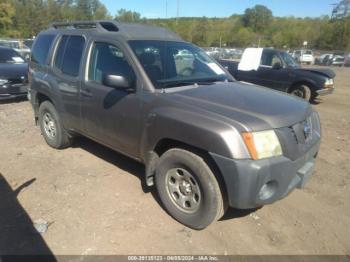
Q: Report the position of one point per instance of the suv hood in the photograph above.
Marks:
(252, 107)
(321, 71)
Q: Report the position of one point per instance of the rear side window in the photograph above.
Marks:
(60, 51)
(69, 54)
(41, 49)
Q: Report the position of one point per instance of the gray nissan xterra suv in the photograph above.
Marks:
(207, 141)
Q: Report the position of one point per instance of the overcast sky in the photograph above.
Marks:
(220, 8)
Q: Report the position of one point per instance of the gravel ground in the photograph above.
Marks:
(93, 201)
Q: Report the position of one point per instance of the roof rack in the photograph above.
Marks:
(110, 26)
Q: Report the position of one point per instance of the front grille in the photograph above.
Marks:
(303, 131)
(296, 140)
(293, 134)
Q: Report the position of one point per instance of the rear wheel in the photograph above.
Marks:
(51, 127)
(302, 91)
(188, 189)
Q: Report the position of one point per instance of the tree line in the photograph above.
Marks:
(257, 26)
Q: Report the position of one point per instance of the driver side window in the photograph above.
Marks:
(107, 59)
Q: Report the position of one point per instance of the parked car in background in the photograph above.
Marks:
(184, 55)
(296, 55)
(224, 53)
(307, 57)
(347, 60)
(213, 52)
(337, 60)
(278, 70)
(18, 46)
(207, 141)
(331, 59)
(323, 59)
(13, 74)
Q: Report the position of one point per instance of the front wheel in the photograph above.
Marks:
(188, 189)
(302, 91)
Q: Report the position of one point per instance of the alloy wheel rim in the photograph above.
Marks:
(298, 93)
(183, 190)
(49, 126)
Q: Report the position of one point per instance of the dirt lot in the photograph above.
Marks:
(96, 203)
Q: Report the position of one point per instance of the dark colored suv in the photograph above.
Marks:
(207, 141)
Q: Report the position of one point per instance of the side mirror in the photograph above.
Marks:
(277, 66)
(115, 81)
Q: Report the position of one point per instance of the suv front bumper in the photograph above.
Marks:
(251, 184)
(13, 91)
(325, 91)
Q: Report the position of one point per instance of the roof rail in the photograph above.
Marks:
(110, 26)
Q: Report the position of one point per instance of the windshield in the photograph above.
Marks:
(171, 64)
(10, 56)
(289, 60)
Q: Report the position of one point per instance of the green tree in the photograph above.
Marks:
(25, 18)
(124, 15)
(200, 32)
(90, 10)
(258, 18)
(83, 10)
(30, 16)
(7, 12)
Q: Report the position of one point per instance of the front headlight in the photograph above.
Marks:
(3, 81)
(329, 83)
(263, 144)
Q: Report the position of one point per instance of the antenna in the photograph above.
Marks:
(178, 11)
(166, 8)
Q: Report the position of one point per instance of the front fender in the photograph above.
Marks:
(315, 83)
(197, 130)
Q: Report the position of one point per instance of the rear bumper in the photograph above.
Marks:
(307, 60)
(251, 184)
(325, 91)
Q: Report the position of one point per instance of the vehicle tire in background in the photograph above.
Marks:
(188, 189)
(51, 127)
(302, 91)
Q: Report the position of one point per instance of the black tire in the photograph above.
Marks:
(51, 127)
(208, 206)
(302, 91)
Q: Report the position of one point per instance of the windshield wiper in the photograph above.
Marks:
(204, 81)
(177, 84)
(210, 80)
